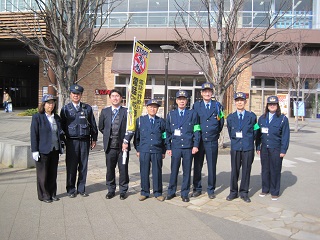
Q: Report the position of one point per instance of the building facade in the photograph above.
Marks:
(152, 23)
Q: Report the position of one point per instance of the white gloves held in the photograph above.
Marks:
(35, 156)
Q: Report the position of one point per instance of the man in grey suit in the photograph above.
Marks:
(112, 124)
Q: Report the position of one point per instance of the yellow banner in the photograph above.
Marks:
(139, 71)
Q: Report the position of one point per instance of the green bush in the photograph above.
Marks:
(29, 112)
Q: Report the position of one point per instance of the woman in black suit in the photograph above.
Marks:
(46, 144)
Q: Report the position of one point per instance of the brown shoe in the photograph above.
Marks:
(274, 198)
(262, 194)
(160, 198)
(142, 198)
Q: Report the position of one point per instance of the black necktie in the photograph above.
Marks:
(152, 122)
(240, 120)
(207, 107)
(78, 107)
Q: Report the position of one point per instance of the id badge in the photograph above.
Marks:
(238, 134)
(177, 132)
(264, 130)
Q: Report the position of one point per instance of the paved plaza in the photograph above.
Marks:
(296, 214)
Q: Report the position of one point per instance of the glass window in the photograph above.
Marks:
(122, 7)
(158, 20)
(197, 5)
(159, 80)
(175, 19)
(158, 5)
(261, 5)
(305, 6)
(247, 5)
(255, 82)
(283, 6)
(260, 19)
(149, 80)
(138, 20)
(138, 5)
(176, 5)
(118, 19)
(269, 83)
(121, 80)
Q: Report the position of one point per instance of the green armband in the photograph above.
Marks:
(256, 127)
(164, 135)
(196, 128)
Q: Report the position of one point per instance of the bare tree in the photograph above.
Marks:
(226, 49)
(61, 33)
(299, 72)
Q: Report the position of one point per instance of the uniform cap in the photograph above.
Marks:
(48, 97)
(153, 101)
(240, 95)
(76, 88)
(272, 99)
(207, 85)
(182, 93)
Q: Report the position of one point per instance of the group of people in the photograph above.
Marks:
(186, 135)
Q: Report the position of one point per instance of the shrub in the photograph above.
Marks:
(29, 112)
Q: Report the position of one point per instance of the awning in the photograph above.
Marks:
(287, 66)
(179, 63)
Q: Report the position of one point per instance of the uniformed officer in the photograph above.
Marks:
(81, 131)
(272, 145)
(149, 142)
(242, 131)
(183, 137)
(211, 120)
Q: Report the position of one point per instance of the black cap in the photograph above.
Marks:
(182, 93)
(272, 99)
(240, 95)
(207, 85)
(153, 101)
(48, 97)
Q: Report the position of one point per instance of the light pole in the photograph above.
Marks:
(166, 49)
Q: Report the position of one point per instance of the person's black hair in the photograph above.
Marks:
(278, 111)
(116, 91)
(41, 108)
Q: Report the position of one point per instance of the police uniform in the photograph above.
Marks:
(149, 141)
(241, 129)
(211, 126)
(182, 135)
(80, 128)
(273, 139)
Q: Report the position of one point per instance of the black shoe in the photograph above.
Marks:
(47, 201)
(84, 194)
(185, 199)
(246, 199)
(110, 195)
(122, 196)
(212, 196)
(72, 195)
(230, 198)
(195, 194)
(54, 198)
(169, 197)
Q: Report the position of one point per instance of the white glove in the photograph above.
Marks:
(35, 156)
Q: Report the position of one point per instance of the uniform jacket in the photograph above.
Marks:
(41, 134)
(150, 139)
(188, 137)
(278, 135)
(245, 143)
(105, 121)
(79, 123)
(210, 125)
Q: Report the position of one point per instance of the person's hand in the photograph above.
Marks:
(35, 156)
(258, 152)
(169, 152)
(138, 154)
(93, 144)
(195, 150)
(282, 155)
(163, 156)
(124, 147)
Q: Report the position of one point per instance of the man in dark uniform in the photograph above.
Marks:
(183, 137)
(149, 142)
(113, 125)
(242, 131)
(211, 121)
(81, 131)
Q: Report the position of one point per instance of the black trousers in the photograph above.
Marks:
(47, 168)
(114, 157)
(77, 160)
(238, 159)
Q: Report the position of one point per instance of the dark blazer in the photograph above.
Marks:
(150, 139)
(188, 138)
(210, 125)
(278, 135)
(105, 121)
(246, 143)
(41, 134)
